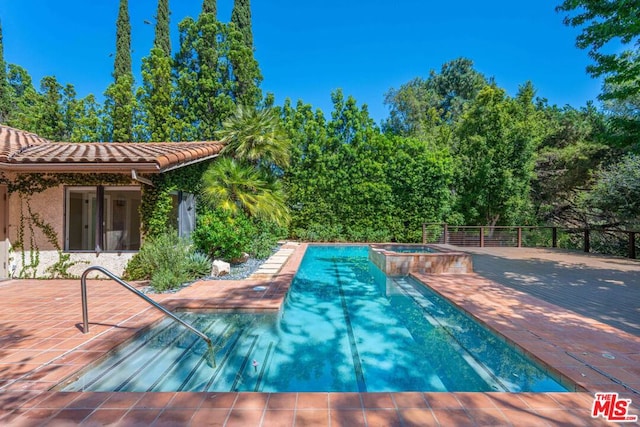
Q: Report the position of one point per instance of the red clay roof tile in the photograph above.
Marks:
(26, 151)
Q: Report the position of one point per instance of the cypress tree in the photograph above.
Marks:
(210, 6)
(122, 65)
(241, 17)
(5, 98)
(204, 76)
(119, 101)
(162, 39)
(245, 69)
(157, 90)
(156, 96)
(213, 103)
(185, 75)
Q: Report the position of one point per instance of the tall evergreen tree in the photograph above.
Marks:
(210, 6)
(122, 65)
(162, 39)
(185, 77)
(245, 69)
(241, 17)
(203, 77)
(119, 102)
(157, 92)
(5, 99)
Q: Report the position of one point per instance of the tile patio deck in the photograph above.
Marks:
(41, 344)
(591, 285)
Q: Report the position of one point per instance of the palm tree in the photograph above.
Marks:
(256, 136)
(234, 186)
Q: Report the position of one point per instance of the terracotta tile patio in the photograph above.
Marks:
(41, 344)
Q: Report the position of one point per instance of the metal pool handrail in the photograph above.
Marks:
(85, 313)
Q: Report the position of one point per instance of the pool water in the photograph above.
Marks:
(344, 327)
(410, 249)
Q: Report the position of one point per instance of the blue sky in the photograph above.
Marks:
(308, 49)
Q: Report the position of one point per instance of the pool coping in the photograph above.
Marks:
(523, 319)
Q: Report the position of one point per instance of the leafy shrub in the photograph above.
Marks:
(320, 233)
(368, 234)
(222, 236)
(168, 261)
(336, 233)
(266, 239)
(137, 268)
(166, 279)
(156, 253)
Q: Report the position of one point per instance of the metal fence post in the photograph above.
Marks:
(446, 233)
(519, 237)
(482, 237)
(554, 237)
(632, 245)
(424, 233)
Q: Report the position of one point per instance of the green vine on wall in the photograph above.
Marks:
(155, 207)
(156, 200)
(27, 185)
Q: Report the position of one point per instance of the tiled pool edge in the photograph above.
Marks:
(547, 333)
(33, 407)
(101, 339)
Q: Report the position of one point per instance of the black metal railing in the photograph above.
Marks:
(596, 240)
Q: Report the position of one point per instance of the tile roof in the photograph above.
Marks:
(28, 152)
(13, 140)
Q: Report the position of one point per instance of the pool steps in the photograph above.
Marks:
(274, 263)
(118, 280)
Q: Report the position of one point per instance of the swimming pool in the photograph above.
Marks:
(344, 327)
(409, 249)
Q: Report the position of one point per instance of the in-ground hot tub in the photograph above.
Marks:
(402, 259)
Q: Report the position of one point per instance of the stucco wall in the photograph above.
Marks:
(49, 206)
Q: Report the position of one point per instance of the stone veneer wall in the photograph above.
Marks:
(401, 264)
(114, 262)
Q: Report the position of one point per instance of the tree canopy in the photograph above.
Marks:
(5, 96)
(603, 23)
(119, 102)
(455, 147)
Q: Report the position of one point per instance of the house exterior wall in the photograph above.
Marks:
(49, 205)
(4, 240)
(114, 262)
